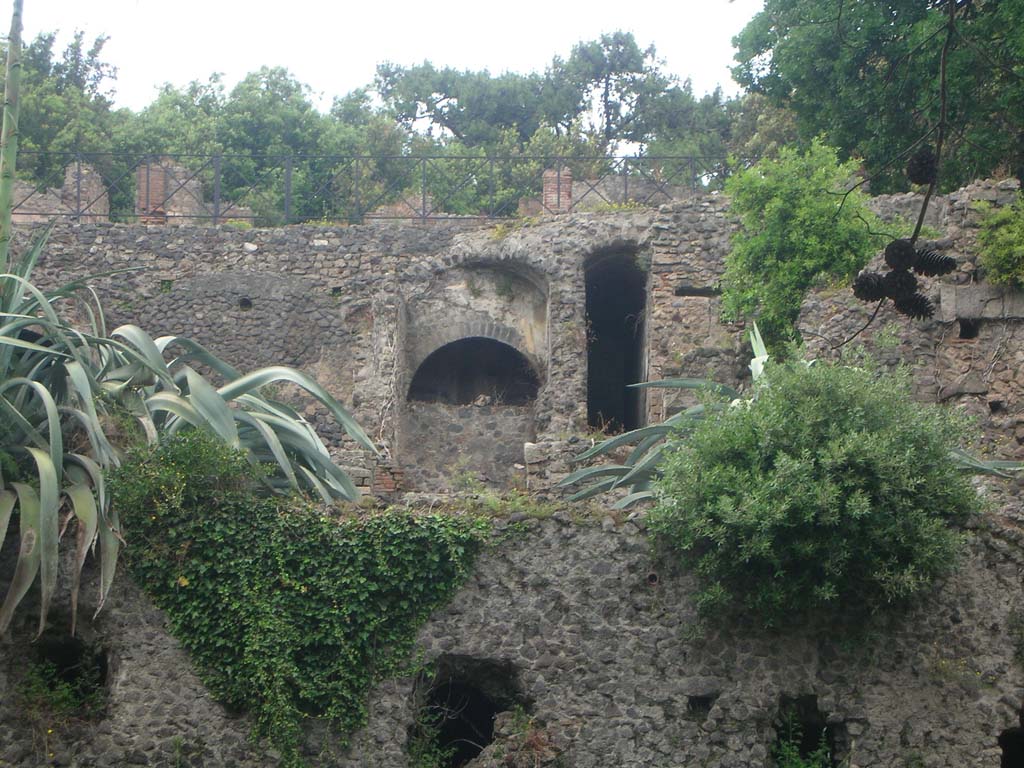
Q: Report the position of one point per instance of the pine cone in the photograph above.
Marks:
(900, 254)
(922, 166)
(869, 286)
(931, 263)
(899, 284)
(916, 306)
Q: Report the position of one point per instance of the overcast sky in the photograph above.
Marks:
(334, 47)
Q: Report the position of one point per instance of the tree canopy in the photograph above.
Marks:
(865, 76)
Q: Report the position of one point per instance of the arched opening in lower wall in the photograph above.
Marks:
(469, 409)
(473, 370)
(1011, 741)
(616, 306)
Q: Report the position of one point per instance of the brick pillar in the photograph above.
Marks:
(150, 193)
(557, 190)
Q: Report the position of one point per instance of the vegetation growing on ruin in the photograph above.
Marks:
(799, 222)
(288, 611)
(1001, 244)
(830, 489)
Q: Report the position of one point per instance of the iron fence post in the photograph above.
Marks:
(625, 181)
(490, 212)
(149, 167)
(288, 190)
(693, 174)
(423, 188)
(216, 189)
(356, 217)
(78, 186)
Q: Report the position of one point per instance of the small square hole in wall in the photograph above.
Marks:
(245, 304)
(969, 328)
(336, 291)
(699, 707)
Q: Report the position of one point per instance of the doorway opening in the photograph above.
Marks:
(616, 305)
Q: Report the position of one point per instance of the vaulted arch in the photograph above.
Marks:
(468, 369)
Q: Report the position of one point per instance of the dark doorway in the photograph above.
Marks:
(465, 370)
(455, 720)
(1012, 743)
(616, 301)
(803, 732)
(464, 719)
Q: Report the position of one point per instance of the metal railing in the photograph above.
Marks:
(277, 189)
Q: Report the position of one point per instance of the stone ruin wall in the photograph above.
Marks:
(377, 299)
(578, 623)
(582, 629)
(972, 352)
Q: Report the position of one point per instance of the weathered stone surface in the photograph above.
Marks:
(608, 663)
(602, 638)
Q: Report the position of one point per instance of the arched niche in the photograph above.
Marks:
(475, 369)
(469, 408)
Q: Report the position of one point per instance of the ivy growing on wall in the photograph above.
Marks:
(288, 612)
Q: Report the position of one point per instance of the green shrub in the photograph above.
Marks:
(288, 613)
(796, 226)
(1001, 245)
(831, 489)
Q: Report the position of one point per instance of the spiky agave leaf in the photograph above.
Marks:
(642, 467)
(931, 263)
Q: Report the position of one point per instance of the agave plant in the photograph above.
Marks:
(641, 468)
(58, 381)
(52, 437)
(57, 386)
(168, 395)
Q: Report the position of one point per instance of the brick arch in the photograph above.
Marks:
(486, 329)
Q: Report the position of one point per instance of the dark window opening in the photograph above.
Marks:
(699, 707)
(245, 304)
(969, 329)
(616, 300)
(455, 721)
(685, 289)
(1011, 741)
(475, 370)
(66, 677)
(802, 727)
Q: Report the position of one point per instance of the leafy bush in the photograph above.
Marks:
(1001, 245)
(796, 225)
(830, 489)
(287, 612)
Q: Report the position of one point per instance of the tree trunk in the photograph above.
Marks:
(9, 133)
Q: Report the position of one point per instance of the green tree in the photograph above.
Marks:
(866, 77)
(799, 221)
(473, 107)
(618, 82)
(831, 490)
(65, 105)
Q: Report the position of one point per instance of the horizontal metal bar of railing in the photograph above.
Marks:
(285, 189)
